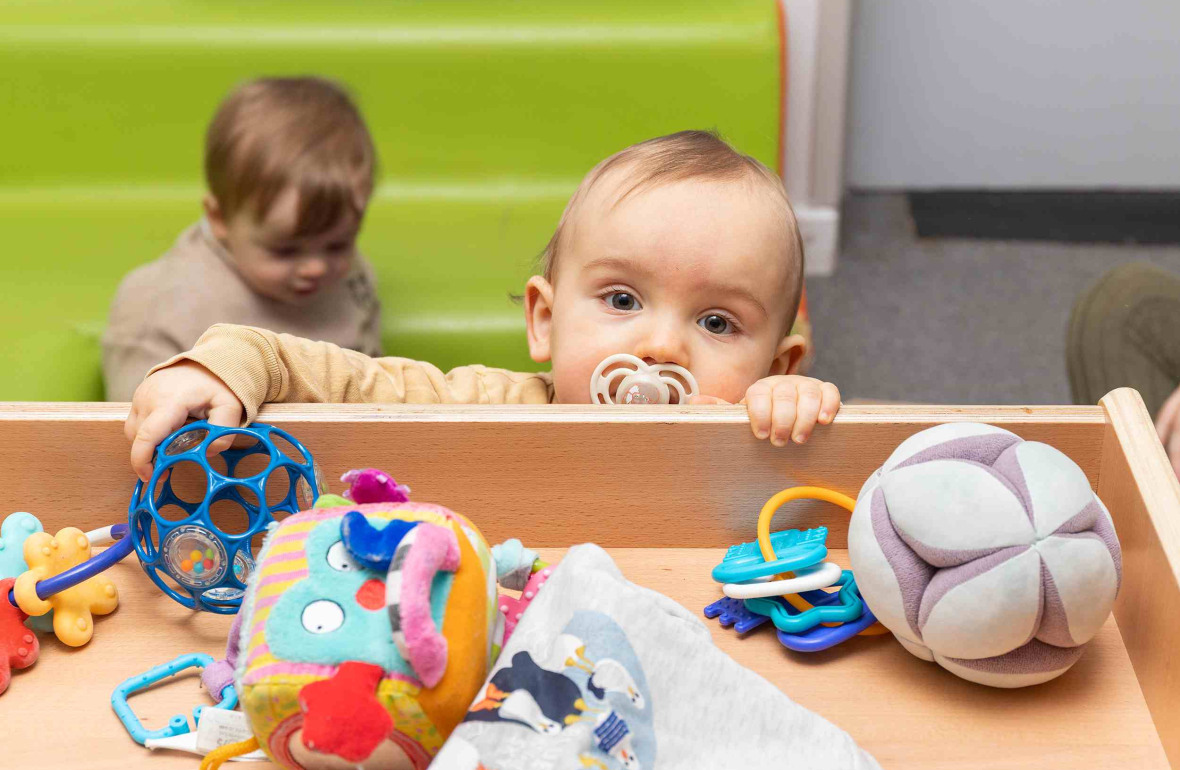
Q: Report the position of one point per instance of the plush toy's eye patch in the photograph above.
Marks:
(322, 617)
(340, 559)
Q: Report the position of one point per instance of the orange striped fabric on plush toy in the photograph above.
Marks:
(326, 675)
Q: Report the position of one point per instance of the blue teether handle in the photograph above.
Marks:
(123, 546)
(177, 725)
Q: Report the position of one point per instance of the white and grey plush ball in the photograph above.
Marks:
(985, 553)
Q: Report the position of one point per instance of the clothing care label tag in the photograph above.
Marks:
(219, 727)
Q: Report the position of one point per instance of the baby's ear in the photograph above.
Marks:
(215, 216)
(789, 355)
(538, 317)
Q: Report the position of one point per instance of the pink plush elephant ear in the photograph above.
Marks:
(422, 553)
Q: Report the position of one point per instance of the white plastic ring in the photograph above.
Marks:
(826, 574)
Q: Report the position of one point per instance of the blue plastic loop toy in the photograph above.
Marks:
(177, 725)
(207, 565)
(823, 637)
(849, 608)
(795, 549)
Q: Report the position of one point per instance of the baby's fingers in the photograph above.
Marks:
(808, 399)
(759, 408)
(228, 415)
(784, 402)
(830, 403)
(151, 431)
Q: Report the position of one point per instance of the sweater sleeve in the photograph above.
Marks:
(261, 367)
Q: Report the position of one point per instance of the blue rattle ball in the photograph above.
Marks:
(201, 555)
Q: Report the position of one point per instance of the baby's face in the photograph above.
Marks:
(277, 264)
(691, 273)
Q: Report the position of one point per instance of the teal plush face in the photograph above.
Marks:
(338, 612)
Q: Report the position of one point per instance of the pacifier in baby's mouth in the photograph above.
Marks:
(625, 379)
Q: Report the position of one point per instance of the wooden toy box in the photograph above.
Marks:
(665, 490)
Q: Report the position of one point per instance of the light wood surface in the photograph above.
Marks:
(551, 475)
(906, 712)
(1140, 489)
(556, 476)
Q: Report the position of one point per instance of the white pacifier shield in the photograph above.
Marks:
(641, 383)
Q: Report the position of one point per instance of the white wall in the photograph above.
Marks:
(1014, 93)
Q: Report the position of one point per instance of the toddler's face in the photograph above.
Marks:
(277, 264)
(691, 273)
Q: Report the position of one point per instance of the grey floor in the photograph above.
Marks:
(951, 320)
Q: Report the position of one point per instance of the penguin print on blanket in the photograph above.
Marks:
(582, 696)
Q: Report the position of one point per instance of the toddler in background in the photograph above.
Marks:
(290, 166)
(677, 250)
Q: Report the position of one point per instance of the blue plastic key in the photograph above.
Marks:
(731, 612)
(795, 549)
(849, 608)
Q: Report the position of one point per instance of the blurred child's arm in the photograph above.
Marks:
(262, 367)
(257, 366)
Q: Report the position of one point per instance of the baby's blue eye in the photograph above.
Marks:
(716, 324)
(621, 300)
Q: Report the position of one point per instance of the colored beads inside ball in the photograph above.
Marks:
(189, 536)
(185, 550)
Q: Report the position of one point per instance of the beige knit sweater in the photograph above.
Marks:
(163, 307)
(262, 367)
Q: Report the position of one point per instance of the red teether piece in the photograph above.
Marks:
(342, 715)
(19, 647)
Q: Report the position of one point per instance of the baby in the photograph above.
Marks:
(678, 250)
(290, 166)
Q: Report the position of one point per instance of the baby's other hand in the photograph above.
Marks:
(787, 406)
(165, 400)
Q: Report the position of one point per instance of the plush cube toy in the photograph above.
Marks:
(367, 631)
(985, 553)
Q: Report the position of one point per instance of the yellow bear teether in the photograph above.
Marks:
(74, 608)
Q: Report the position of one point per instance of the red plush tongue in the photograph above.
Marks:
(342, 715)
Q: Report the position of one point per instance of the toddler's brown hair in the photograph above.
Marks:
(302, 132)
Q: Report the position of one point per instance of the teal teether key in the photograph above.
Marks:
(795, 549)
(849, 608)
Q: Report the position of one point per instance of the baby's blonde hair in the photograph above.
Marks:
(676, 158)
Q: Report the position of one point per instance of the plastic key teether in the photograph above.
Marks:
(177, 725)
(795, 550)
(625, 379)
(733, 612)
(789, 619)
(74, 608)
